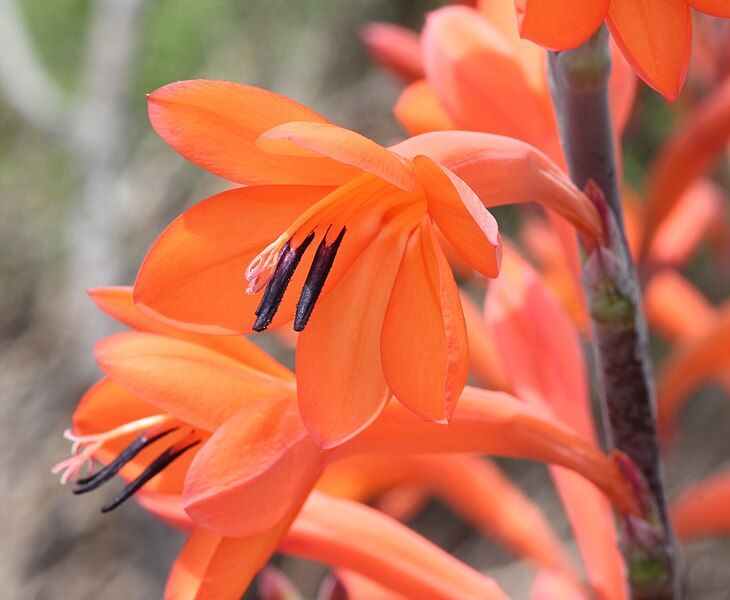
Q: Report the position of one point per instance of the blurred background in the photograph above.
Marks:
(85, 187)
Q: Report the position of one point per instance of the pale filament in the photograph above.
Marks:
(84, 446)
(336, 207)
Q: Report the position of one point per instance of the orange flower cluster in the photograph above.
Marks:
(354, 245)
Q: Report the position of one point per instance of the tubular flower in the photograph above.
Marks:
(546, 369)
(378, 299)
(167, 387)
(654, 35)
(162, 387)
(250, 464)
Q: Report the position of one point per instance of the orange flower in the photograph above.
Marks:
(388, 319)
(654, 35)
(257, 465)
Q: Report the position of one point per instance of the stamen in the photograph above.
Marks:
(139, 443)
(288, 262)
(84, 446)
(157, 465)
(316, 278)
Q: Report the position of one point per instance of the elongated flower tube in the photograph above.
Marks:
(701, 510)
(654, 35)
(473, 487)
(338, 234)
(385, 548)
(691, 151)
(546, 368)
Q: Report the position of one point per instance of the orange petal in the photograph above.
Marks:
(346, 534)
(340, 379)
(199, 386)
(655, 36)
(475, 73)
(214, 124)
(424, 346)
(702, 511)
(494, 423)
(117, 302)
(483, 356)
(253, 471)
(545, 363)
(717, 8)
(690, 152)
(675, 308)
(690, 364)
(419, 110)
(554, 585)
(502, 170)
(211, 567)
(697, 213)
(107, 405)
(342, 145)
(460, 216)
(193, 276)
(560, 24)
(503, 16)
(395, 48)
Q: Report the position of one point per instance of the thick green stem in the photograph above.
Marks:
(579, 86)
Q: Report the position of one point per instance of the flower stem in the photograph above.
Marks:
(579, 87)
